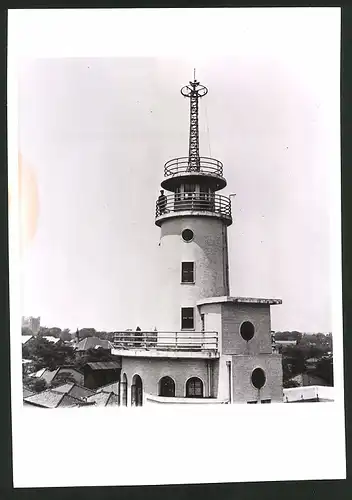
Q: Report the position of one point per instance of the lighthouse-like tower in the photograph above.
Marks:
(209, 345)
(193, 218)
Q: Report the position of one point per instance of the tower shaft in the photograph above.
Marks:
(193, 154)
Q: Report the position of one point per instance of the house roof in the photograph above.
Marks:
(51, 339)
(51, 398)
(39, 373)
(46, 399)
(26, 338)
(75, 390)
(92, 343)
(49, 375)
(104, 365)
(103, 398)
(27, 392)
(112, 387)
(308, 393)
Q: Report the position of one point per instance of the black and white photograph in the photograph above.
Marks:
(178, 242)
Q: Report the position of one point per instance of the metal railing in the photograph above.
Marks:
(182, 165)
(208, 202)
(167, 341)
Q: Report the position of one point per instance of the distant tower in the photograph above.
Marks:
(193, 219)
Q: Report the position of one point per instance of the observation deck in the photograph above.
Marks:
(180, 344)
(179, 170)
(194, 204)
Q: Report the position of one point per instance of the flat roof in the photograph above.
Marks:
(238, 300)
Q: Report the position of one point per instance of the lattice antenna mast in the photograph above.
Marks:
(194, 91)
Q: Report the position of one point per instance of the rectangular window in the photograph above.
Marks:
(187, 318)
(187, 273)
(266, 401)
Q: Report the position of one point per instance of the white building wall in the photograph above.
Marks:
(208, 250)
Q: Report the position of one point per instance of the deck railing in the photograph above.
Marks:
(167, 341)
(182, 165)
(209, 202)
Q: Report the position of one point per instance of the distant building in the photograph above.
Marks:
(309, 394)
(33, 324)
(93, 343)
(98, 374)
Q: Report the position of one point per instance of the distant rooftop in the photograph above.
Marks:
(93, 343)
(308, 393)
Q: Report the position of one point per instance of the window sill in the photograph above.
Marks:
(187, 282)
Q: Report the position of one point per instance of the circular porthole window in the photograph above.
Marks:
(247, 330)
(187, 235)
(258, 378)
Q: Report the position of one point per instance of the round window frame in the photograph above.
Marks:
(187, 229)
(265, 378)
(250, 322)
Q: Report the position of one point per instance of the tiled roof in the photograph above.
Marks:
(26, 338)
(69, 402)
(39, 373)
(51, 339)
(75, 390)
(104, 365)
(103, 398)
(112, 387)
(54, 399)
(48, 375)
(27, 392)
(46, 399)
(92, 343)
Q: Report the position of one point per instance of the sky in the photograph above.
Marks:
(95, 132)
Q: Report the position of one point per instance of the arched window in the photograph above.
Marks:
(123, 390)
(167, 387)
(194, 388)
(137, 391)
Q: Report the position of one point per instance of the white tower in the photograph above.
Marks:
(193, 218)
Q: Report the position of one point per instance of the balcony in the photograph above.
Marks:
(198, 204)
(209, 169)
(166, 344)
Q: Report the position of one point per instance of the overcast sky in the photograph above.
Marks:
(96, 133)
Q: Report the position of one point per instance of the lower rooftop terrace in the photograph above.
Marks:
(179, 344)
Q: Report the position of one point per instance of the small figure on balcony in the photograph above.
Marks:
(162, 200)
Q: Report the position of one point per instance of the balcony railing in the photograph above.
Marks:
(167, 341)
(179, 202)
(182, 165)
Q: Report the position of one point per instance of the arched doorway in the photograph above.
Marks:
(194, 388)
(123, 390)
(137, 391)
(167, 387)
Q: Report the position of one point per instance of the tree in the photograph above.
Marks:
(45, 354)
(87, 332)
(63, 378)
(65, 335)
(34, 384)
(324, 369)
(290, 383)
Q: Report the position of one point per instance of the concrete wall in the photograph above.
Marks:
(233, 315)
(209, 252)
(152, 370)
(242, 367)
